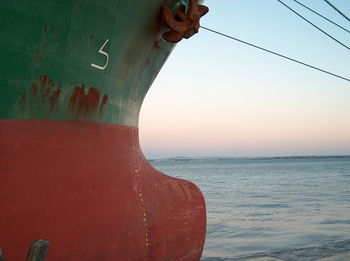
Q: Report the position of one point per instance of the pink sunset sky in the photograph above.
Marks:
(217, 97)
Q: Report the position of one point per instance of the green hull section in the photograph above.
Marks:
(83, 60)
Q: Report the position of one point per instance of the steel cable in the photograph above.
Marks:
(320, 15)
(302, 17)
(336, 9)
(277, 54)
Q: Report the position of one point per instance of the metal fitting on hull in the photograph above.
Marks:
(183, 24)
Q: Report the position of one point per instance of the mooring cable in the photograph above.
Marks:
(318, 28)
(322, 16)
(336, 9)
(277, 54)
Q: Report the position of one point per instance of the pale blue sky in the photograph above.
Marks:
(217, 97)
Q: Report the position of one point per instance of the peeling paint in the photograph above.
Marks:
(47, 91)
(45, 98)
(86, 103)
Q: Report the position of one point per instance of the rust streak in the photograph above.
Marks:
(23, 97)
(34, 87)
(103, 102)
(47, 90)
(156, 44)
(43, 80)
(54, 96)
(85, 102)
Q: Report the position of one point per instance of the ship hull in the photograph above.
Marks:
(73, 75)
(88, 190)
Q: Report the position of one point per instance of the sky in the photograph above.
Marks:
(218, 97)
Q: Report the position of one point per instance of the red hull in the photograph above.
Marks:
(88, 190)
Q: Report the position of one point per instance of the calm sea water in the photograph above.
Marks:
(274, 205)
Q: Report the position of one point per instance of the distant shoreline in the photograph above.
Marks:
(184, 158)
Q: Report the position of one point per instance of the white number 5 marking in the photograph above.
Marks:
(104, 53)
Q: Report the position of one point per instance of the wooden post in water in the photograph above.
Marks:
(1, 256)
(38, 250)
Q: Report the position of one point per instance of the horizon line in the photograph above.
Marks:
(179, 158)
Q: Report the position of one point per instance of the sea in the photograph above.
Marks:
(292, 208)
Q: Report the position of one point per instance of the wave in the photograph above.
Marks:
(299, 254)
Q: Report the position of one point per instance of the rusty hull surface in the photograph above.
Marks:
(88, 190)
(73, 75)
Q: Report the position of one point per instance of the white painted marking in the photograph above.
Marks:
(104, 53)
